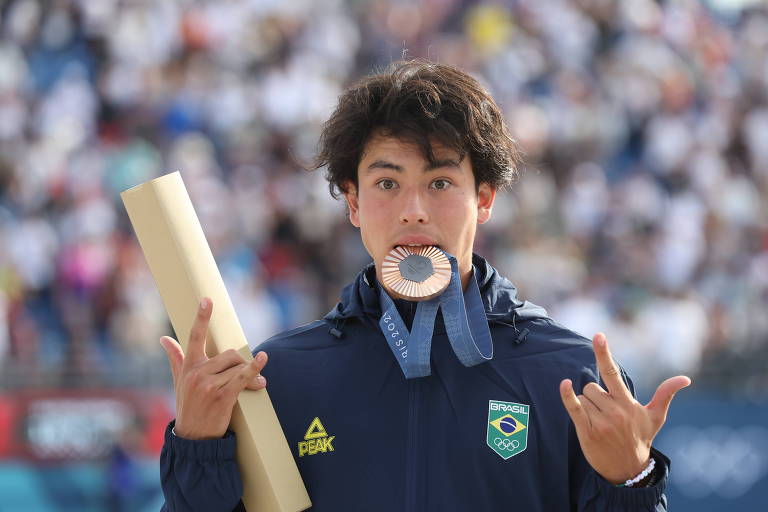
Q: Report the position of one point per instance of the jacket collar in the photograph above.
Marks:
(360, 299)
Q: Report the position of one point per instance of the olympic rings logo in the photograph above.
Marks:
(506, 444)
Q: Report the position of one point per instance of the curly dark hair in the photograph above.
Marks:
(421, 102)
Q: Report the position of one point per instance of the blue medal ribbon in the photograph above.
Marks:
(465, 324)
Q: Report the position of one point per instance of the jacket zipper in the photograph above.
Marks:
(411, 482)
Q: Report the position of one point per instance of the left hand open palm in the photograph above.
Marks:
(616, 431)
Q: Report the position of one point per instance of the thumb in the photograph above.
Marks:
(175, 355)
(659, 404)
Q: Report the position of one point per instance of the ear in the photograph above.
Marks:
(486, 194)
(353, 204)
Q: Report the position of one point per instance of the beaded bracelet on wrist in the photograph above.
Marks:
(647, 471)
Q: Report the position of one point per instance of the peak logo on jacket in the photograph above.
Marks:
(316, 440)
(507, 428)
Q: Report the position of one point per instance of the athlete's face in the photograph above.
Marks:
(402, 200)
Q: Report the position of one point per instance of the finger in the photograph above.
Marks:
(597, 395)
(224, 377)
(221, 379)
(242, 377)
(175, 355)
(609, 370)
(261, 359)
(196, 345)
(573, 405)
(593, 411)
(659, 404)
(259, 382)
(223, 361)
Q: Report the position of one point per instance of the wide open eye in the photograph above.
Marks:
(440, 184)
(386, 184)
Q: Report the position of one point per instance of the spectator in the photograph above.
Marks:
(642, 211)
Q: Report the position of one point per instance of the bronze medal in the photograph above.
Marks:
(416, 273)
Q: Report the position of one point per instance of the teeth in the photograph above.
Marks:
(415, 245)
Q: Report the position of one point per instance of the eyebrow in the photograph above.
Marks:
(438, 164)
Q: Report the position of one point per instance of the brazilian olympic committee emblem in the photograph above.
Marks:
(507, 428)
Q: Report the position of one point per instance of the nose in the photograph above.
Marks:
(413, 210)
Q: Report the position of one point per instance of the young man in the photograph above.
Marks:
(418, 154)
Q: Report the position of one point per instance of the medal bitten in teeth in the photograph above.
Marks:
(416, 273)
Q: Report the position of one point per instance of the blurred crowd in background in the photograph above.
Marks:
(641, 211)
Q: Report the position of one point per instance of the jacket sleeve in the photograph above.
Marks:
(200, 475)
(598, 494)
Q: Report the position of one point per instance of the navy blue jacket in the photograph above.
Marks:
(365, 438)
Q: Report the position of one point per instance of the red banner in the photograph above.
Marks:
(67, 425)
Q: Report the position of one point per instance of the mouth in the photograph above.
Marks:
(415, 248)
(413, 241)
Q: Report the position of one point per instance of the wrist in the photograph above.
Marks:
(180, 431)
(653, 477)
(643, 477)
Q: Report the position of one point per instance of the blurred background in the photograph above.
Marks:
(642, 209)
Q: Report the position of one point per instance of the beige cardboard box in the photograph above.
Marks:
(185, 271)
